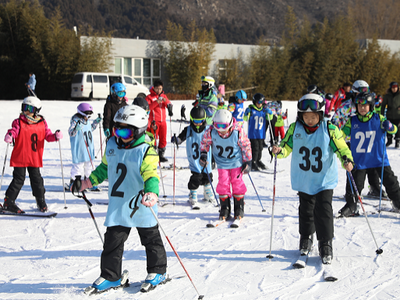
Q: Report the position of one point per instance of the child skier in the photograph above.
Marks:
(232, 153)
(114, 102)
(280, 116)
(367, 130)
(236, 108)
(29, 132)
(314, 172)
(257, 116)
(193, 135)
(82, 144)
(130, 165)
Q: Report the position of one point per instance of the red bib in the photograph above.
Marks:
(29, 146)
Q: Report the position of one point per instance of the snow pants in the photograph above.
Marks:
(316, 215)
(228, 177)
(113, 249)
(83, 169)
(17, 183)
(279, 131)
(257, 146)
(161, 134)
(198, 179)
(389, 181)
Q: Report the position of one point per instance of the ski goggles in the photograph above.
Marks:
(123, 132)
(197, 121)
(362, 101)
(221, 126)
(121, 94)
(363, 89)
(29, 108)
(88, 113)
(311, 104)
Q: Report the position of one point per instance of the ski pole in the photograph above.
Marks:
(4, 166)
(170, 127)
(379, 250)
(30, 90)
(383, 166)
(162, 180)
(176, 253)
(263, 210)
(209, 180)
(101, 143)
(62, 174)
(173, 199)
(273, 202)
(97, 154)
(87, 148)
(88, 204)
(272, 214)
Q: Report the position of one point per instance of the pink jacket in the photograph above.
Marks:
(243, 142)
(49, 136)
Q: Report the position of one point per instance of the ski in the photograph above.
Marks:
(90, 290)
(216, 223)
(301, 262)
(37, 214)
(171, 167)
(267, 171)
(236, 223)
(328, 272)
(195, 205)
(147, 287)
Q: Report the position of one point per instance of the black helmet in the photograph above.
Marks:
(198, 118)
(313, 89)
(139, 101)
(365, 98)
(329, 96)
(258, 98)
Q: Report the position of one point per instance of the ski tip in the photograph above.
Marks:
(210, 225)
(330, 278)
(379, 251)
(201, 297)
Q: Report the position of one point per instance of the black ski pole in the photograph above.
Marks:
(4, 166)
(378, 250)
(259, 199)
(209, 180)
(62, 175)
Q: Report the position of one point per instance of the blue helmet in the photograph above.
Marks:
(118, 89)
(241, 95)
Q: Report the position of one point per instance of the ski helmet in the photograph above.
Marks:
(207, 82)
(329, 96)
(378, 101)
(241, 95)
(198, 118)
(222, 120)
(31, 104)
(258, 98)
(135, 117)
(85, 109)
(118, 89)
(360, 86)
(313, 89)
(365, 98)
(141, 102)
(311, 103)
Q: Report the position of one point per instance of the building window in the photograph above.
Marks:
(225, 65)
(128, 66)
(118, 62)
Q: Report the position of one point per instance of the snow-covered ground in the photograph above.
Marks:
(57, 258)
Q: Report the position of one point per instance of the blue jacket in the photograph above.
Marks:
(32, 82)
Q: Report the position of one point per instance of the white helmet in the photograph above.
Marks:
(209, 80)
(135, 117)
(360, 86)
(222, 120)
(32, 101)
(311, 103)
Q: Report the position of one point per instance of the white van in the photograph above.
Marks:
(92, 85)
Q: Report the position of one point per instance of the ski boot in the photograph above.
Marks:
(325, 251)
(396, 205)
(102, 285)
(161, 152)
(209, 195)
(349, 210)
(152, 280)
(306, 242)
(389, 140)
(10, 205)
(238, 202)
(261, 165)
(41, 204)
(193, 199)
(225, 211)
(396, 145)
(67, 186)
(376, 193)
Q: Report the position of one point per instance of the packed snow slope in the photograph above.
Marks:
(57, 258)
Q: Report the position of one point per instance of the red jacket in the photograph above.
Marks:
(337, 99)
(157, 110)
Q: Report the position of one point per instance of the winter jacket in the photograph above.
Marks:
(157, 110)
(393, 103)
(110, 109)
(32, 82)
(209, 102)
(337, 99)
(243, 142)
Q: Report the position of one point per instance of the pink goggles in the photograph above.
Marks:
(221, 126)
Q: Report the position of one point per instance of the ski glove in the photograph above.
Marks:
(203, 159)
(246, 167)
(169, 107)
(107, 133)
(176, 140)
(97, 120)
(58, 135)
(149, 199)
(78, 185)
(8, 138)
(78, 126)
(387, 126)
